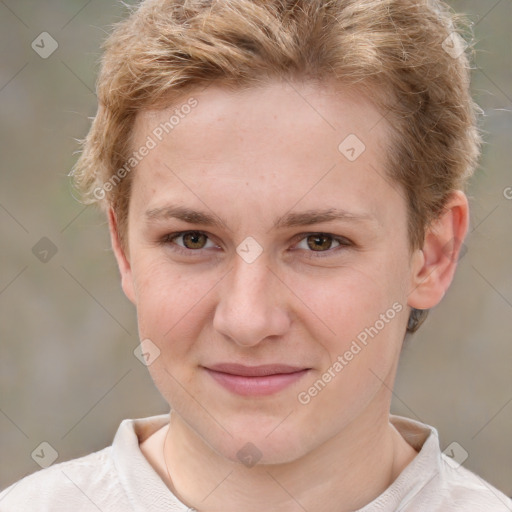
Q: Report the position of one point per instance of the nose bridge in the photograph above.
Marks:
(249, 308)
(250, 280)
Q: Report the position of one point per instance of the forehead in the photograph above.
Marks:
(282, 137)
(279, 107)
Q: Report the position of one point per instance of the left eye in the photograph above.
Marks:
(319, 242)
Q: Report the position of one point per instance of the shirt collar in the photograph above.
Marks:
(419, 473)
(145, 489)
(148, 492)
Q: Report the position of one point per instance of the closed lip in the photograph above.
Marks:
(255, 371)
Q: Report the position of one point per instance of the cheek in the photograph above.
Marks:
(167, 298)
(358, 316)
(344, 301)
(367, 316)
(171, 313)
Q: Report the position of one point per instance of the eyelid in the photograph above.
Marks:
(343, 241)
(168, 239)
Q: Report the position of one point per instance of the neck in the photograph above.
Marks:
(369, 455)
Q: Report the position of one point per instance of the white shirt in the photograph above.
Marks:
(120, 479)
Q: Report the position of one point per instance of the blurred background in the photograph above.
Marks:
(68, 374)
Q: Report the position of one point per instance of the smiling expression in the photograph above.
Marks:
(255, 238)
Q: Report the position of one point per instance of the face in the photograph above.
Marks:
(297, 255)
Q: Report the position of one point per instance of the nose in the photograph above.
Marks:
(252, 304)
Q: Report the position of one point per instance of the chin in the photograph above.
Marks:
(251, 444)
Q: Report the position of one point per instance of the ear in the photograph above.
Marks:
(433, 266)
(122, 261)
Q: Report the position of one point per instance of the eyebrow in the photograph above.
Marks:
(305, 218)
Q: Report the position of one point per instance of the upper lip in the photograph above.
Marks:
(254, 371)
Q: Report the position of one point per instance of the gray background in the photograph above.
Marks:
(68, 375)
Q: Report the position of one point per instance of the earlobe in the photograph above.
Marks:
(121, 258)
(433, 267)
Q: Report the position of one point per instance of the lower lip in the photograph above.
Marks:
(256, 386)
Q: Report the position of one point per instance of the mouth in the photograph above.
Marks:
(255, 380)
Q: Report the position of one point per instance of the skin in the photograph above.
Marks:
(249, 158)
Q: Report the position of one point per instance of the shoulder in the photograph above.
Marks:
(108, 479)
(465, 490)
(436, 481)
(79, 484)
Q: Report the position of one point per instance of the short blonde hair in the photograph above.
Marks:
(406, 56)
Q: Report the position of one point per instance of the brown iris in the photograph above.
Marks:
(320, 242)
(317, 242)
(197, 240)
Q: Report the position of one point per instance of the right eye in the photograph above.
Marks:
(192, 241)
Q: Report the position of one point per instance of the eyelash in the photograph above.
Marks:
(344, 243)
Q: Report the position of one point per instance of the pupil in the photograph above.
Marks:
(193, 238)
(318, 242)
